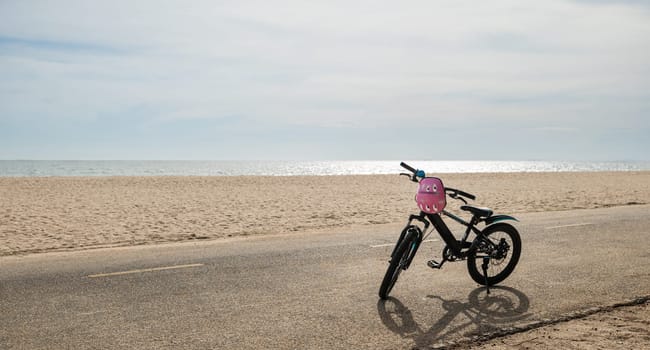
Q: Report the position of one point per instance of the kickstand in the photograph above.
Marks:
(486, 261)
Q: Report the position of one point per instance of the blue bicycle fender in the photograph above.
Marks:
(498, 218)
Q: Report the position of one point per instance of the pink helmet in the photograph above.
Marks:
(431, 197)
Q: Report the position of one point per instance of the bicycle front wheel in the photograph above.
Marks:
(399, 262)
(501, 246)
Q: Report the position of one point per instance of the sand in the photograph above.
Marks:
(621, 328)
(45, 214)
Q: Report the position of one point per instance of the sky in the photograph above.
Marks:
(325, 80)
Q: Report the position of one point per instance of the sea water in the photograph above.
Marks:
(21, 168)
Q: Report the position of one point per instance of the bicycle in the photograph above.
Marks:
(496, 248)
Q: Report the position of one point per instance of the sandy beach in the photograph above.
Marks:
(43, 214)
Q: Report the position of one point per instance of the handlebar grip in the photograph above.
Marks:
(462, 193)
(407, 167)
(468, 195)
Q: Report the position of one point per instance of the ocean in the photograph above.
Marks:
(40, 168)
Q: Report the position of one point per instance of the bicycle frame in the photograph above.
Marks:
(457, 247)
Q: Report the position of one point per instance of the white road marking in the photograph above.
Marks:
(392, 244)
(144, 270)
(571, 225)
(91, 313)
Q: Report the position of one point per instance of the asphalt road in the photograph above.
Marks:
(313, 291)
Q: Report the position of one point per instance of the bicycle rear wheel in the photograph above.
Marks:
(400, 261)
(502, 247)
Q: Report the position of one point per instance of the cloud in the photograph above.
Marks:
(333, 65)
(643, 3)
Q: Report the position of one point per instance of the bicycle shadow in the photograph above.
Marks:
(483, 311)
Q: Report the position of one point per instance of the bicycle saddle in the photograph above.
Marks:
(477, 211)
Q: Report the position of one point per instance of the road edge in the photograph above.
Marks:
(523, 328)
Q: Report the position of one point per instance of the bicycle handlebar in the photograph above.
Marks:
(416, 173)
(461, 193)
(408, 167)
(455, 193)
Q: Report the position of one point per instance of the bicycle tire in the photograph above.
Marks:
(474, 260)
(398, 262)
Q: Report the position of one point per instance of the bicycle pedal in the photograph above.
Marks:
(434, 264)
